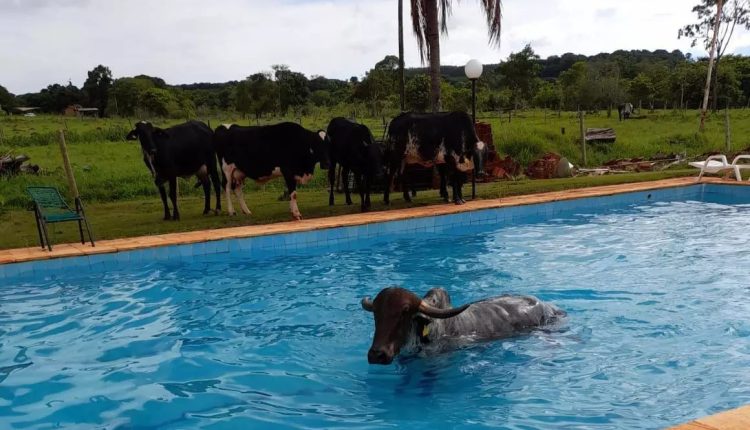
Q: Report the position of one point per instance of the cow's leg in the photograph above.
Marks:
(206, 194)
(345, 182)
(387, 184)
(213, 173)
(405, 182)
(331, 181)
(173, 197)
(241, 199)
(163, 194)
(367, 182)
(443, 173)
(359, 183)
(226, 170)
(291, 184)
(228, 192)
(457, 188)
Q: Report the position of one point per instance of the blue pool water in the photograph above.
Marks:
(657, 332)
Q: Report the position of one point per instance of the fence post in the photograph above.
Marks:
(66, 164)
(583, 136)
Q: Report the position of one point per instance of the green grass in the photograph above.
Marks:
(123, 201)
(142, 217)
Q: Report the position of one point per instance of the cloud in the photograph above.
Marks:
(606, 13)
(183, 41)
(30, 6)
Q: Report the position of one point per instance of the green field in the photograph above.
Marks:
(122, 200)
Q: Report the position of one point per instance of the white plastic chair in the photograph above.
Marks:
(719, 163)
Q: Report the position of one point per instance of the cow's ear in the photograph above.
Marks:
(158, 132)
(133, 135)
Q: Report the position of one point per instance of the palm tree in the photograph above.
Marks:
(427, 27)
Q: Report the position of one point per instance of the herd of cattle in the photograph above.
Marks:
(445, 140)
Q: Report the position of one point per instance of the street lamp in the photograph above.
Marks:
(473, 70)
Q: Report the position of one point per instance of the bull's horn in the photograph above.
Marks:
(367, 304)
(433, 312)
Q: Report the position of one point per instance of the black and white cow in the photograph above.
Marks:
(264, 152)
(447, 140)
(354, 148)
(625, 110)
(405, 321)
(183, 150)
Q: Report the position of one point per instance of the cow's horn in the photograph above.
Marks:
(433, 312)
(367, 304)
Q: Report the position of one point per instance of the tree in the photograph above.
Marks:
(642, 88)
(379, 84)
(732, 14)
(256, 94)
(292, 87)
(126, 93)
(549, 95)
(574, 89)
(160, 102)
(427, 28)
(7, 100)
(97, 87)
(520, 74)
(417, 91)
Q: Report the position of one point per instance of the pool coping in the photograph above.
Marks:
(64, 250)
(734, 419)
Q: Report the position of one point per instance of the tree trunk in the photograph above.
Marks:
(433, 51)
(711, 57)
(715, 101)
(401, 80)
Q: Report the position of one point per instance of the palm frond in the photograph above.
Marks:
(493, 10)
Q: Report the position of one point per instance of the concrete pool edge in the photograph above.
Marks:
(733, 419)
(113, 246)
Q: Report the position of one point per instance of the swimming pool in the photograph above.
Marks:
(656, 334)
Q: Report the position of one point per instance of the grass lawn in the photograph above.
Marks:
(142, 216)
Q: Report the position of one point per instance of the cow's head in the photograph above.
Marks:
(321, 148)
(147, 134)
(372, 153)
(395, 311)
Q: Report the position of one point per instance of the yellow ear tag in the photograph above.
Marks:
(425, 331)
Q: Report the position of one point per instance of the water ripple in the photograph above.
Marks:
(655, 335)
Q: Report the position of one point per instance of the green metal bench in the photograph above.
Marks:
(50, 207)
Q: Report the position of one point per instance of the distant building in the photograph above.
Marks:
(78, 110)
(23, 110)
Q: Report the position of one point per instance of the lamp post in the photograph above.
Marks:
(473, 70)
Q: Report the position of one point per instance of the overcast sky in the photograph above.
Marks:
(185, 41)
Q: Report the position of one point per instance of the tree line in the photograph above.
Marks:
(650, 79)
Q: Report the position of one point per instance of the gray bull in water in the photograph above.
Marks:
(403, 320)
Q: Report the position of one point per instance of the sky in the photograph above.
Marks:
(185, 41)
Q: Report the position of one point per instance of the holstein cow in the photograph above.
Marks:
(353, 147)
(405, 321)
(265, 152)
(183, 150)
(446, 140)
